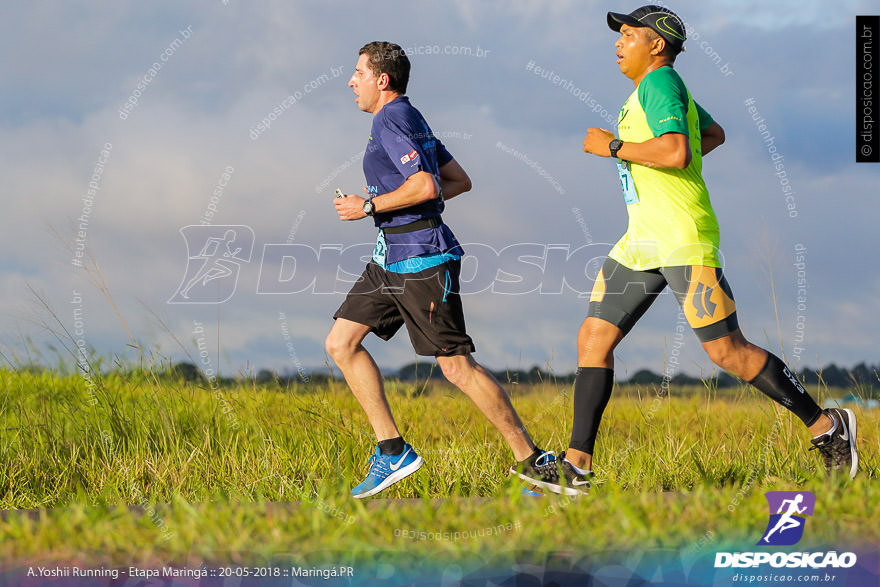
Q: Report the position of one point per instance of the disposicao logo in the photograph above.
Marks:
(221, 251)
(788, 516)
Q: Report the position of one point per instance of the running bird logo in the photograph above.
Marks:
(211, 274)
(786, 525)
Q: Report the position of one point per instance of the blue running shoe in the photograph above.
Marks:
(386, 470)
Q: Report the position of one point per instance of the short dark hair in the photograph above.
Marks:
(669, 51)
(391, 59)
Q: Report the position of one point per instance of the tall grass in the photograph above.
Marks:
(200, 472)
(67, 441)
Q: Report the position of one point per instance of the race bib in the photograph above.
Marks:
(626, 183)
(380, 250)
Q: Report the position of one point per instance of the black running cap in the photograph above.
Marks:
(664, 22)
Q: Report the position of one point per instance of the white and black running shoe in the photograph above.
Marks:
(838, 446)
(541, 471)
(572, 478)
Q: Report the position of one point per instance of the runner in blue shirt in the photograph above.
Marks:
(413, 277)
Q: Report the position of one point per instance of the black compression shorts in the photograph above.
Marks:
(622, 295)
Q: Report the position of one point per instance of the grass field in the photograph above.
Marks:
(201, 464)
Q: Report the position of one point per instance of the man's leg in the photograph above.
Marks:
(620, 297)
(768, 374)
(431, 308)
(536, 467)
(490, 398)
(597, 340)
(394, 459)
(369, 307)
(707, 301)
(362, 375)
(432, 311)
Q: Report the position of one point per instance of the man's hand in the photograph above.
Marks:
(351, 207)
(597, 141)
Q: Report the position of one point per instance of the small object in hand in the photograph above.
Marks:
(339, 193)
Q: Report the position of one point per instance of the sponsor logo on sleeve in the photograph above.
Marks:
(411, 156)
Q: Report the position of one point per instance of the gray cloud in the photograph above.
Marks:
(195, 117)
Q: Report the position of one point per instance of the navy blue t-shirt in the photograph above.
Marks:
(401, 144)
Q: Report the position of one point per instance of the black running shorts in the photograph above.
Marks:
(427, 302)
(622, 295)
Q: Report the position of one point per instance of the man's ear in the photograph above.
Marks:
(659, 46)
(384, 81)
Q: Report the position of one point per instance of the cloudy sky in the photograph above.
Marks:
(80, 79)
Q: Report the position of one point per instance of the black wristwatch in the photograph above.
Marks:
(369, 208)
(614, 146)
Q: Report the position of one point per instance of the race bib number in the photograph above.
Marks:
(380, 250)
(626, 183)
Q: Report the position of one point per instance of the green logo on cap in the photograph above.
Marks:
(661, 24)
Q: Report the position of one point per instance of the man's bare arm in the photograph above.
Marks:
(670, 150)
(454, 180)
(418, 188)
(711, 138)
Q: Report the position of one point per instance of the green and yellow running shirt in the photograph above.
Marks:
(671, 221)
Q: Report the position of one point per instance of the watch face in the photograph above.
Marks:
(368, 208)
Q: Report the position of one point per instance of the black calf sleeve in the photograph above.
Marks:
(592, 390)
(780, 385)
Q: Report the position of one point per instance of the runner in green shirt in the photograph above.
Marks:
(672, 240)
